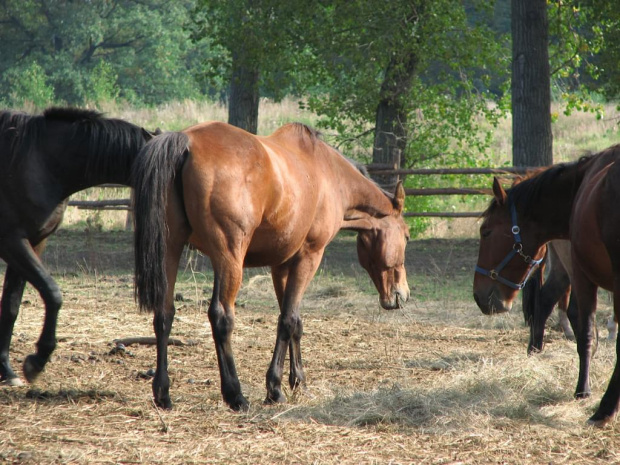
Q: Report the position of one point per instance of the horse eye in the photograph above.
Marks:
(485, 233)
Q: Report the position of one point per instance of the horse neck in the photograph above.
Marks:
(550, 209)
(94, 160)
(362, 195)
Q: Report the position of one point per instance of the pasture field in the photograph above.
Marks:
(434, 383)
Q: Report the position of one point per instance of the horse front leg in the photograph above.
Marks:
(608, 407)
(550, 294)
(290, 281)
(24, 259)
(222, 318)
(12, 293)
(585, 293)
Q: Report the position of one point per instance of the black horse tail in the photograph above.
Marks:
(153, 172)
(531, 295)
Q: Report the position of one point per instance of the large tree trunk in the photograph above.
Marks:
(532, 140)
(391, 121)
(244, 94)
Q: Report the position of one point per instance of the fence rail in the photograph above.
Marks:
(441, 191)
(125, 204)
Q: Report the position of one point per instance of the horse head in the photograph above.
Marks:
(504, 265)
(381, 246)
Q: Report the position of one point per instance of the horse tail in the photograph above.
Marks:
(153, 172)
(531, 294)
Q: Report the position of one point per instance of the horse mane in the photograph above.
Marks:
(528, 189)
(17, 131)
(109, 144)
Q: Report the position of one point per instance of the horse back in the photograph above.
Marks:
(253, 189)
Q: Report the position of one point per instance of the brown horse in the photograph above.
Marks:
(245, 200)
(576, 201)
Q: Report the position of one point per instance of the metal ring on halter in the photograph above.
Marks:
(515, 230)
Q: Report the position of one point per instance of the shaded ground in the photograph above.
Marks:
(436, 382)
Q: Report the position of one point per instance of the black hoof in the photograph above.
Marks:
(583, 395)
(164, 404)
(600, 420)
(240, 404)
(32, 368)
(275, 398)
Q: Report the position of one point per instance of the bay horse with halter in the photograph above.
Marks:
(43, 160)
(247, 201)
(576, 201)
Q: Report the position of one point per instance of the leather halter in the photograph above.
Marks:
(517, 249)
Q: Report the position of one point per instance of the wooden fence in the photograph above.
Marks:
(441, 191)
(124, 204)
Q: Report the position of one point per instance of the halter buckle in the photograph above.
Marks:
(493, 275)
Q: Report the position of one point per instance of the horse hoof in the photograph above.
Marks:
(278, 398)
(13, 382)
(582, 395)
(32, 368)
(600, 421)
(240, 404)
(164, 404)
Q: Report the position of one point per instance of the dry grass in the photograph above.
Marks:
(435, 383)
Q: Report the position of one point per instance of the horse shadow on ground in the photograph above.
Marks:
(60, 396)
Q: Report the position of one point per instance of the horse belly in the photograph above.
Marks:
(271, 248)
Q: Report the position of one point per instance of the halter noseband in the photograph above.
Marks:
(517, 249)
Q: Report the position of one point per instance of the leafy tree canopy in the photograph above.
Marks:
(135, 49)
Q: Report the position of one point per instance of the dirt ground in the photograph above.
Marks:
(434, 383)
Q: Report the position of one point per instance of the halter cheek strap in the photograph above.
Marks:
(517, 249)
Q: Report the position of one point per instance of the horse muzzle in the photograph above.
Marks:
(491, 303)
(397, 299)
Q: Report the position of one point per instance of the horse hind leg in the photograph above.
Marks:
(24, 260)
(290, 283)
(12, 293)
(164, 318)
(608, 407)
(227, 281)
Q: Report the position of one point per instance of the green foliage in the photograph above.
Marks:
(132, 49)
(584, 50)
(29, 84)
(102, 84)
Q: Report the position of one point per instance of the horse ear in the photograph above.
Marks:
(148, 135)
(399, 197)
(499, 192)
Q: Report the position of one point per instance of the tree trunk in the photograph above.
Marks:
(391, 121)
(532, 139)
(244, 94)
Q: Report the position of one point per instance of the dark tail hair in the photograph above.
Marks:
(530, 295)
(153, 171)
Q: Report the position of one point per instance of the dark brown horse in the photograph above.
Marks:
(250, 201)
(576, 201)
(43, 160)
